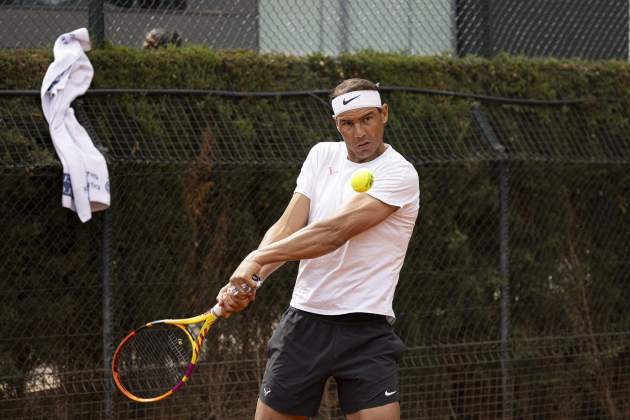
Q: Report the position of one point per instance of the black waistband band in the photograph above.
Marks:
(351, 317)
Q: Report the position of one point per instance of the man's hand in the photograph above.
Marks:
(242, 278)
(231, 303)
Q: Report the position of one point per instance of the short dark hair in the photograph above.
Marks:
(352, 85)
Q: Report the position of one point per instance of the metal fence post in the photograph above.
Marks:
(454, 29)
(410, 27)
(107, 313)
(504, 260)
(96, 22)
(106, 280)
(504, 240)
(344, 18)
(320, 31)
(488, 42)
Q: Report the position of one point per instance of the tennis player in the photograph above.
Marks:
(351, 247)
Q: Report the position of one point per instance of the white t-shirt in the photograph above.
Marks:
(362, 274)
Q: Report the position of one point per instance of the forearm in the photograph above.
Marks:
(311, 241)
(314, 240)
(274, 234)
(294, 218)
(324, 236)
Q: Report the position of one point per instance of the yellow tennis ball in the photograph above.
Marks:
(362, 180)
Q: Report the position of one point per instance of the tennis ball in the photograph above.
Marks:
(362, 180)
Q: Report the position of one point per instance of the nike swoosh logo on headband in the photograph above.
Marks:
(347, 101)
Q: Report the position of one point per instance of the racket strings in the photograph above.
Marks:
(154, 360)
(177, 347)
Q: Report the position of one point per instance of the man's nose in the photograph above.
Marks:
(358, 130)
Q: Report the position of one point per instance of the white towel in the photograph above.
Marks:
(85, 175)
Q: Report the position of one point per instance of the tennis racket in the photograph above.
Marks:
(154, 361)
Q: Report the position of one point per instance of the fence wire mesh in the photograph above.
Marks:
(512, 300)
(593, 29)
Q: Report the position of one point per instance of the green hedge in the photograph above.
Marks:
(200, 68)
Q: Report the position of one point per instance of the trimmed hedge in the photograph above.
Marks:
(201, 68)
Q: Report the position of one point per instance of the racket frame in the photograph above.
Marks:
(208, 318)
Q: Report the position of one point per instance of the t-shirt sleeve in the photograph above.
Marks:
(397, 187)
(306, 179)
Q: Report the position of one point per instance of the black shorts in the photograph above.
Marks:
(361, 351)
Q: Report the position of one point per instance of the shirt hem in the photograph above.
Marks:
(340, 311)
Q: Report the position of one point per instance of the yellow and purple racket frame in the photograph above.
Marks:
(208, 318)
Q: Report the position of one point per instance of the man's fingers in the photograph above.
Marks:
(229, 307)
(231, 300)
(252, 284)
(241, 286)
(222, 294)
(236, 295)
(226, 314)
(237, 302)
(244, 296)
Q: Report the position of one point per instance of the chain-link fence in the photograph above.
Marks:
(588, 29)
(512, 300)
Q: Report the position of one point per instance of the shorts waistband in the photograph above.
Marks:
(357, 317)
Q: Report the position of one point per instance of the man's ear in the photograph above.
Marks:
(384, 113)
(336, 125)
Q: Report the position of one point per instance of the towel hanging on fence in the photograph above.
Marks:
(85, 175)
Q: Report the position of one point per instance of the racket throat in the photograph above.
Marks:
(188, 374)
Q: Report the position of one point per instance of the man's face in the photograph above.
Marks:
(362, 130)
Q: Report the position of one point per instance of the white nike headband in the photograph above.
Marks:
(354, 100)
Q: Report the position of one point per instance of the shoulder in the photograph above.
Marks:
(397, 164)
(325, 151)
(327, 147)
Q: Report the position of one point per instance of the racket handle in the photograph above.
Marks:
(218, 310)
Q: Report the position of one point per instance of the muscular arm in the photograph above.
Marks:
(293, 218)
(317, 239)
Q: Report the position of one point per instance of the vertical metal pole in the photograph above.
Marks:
(410, 26)
(96, 22)
(488, 48)
(107, 313)
(504, 241)
(257, 18)
(320, 39)
(106, 280)
(504, 261)
(454, 29)
(344, 17)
